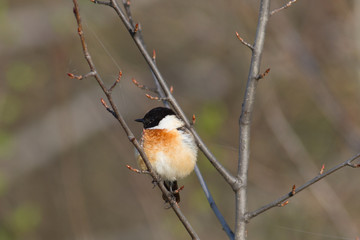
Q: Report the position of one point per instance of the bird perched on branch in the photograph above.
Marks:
(169, 146)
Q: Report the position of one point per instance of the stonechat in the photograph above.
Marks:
(169, 146)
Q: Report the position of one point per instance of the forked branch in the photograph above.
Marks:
(245, 122)
(113, 109)
(149, 59)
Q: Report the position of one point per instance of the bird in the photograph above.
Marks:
(169, 146)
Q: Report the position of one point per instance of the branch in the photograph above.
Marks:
(167, 94)
(244, 42)
(213, 205)
(347, 163)
(126, 128)
(143, 87)
(245, 122)
(162, 97)
(305, 165)
(136, 37)
(283, 7)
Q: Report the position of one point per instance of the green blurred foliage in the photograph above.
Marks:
(6, 144)
(10, 106)
(20, 76)
(3, 12)
(21, 221)
(211, 118)
(24, 219)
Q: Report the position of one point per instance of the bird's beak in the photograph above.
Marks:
(139, 120)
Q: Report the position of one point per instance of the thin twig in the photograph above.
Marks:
(288, 4)
(244, 42)
(155, 98)
(126, 4)
(116, 82)
(80, 77)
(245, 122)
(305, 165)
(348, 162)
(101, 2)
(126, 128)
(137, 170)
(261, 76)
(143, 87)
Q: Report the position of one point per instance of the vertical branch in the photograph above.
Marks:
(245, 122)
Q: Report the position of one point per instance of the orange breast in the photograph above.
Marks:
(170, 157)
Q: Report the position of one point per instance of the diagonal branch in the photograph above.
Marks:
(288, 4)
(298, 154)
(138, 41)
(165, 100)
(347, 163)
(126, 128)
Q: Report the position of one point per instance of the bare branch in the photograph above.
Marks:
(288, 4)
(261, 76)
(305, 165)
(80, 77)
(126, 4)
(244, 42)
(126, 128)
(224, 172)
(348, 162)
(165, 92)
(116, 82)
(107, 107)
(357, 165)
(137, 170)
(155, 98)
(245, 120)
(101, 2)
(143, 87)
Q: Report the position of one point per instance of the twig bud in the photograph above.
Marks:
(104, 103)
(293, 190)
(73, 76)
(136, 28)
(154, 55)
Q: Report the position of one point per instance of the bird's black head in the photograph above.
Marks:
(154, 116)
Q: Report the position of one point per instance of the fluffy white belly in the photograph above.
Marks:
(174, 167)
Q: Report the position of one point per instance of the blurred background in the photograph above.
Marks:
(63, 158)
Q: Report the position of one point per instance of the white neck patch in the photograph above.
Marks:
(169, 122)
